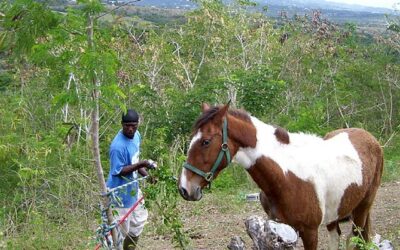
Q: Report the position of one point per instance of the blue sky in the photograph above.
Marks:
(373, 3)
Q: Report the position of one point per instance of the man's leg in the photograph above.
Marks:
(123, 228)
(130, 242)
(138, 219)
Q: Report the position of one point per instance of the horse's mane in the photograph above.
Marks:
(213, 111)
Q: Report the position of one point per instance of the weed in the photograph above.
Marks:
(359, 242)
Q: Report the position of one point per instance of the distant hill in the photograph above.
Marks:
(336, 12)
(323, 5)
(177, 4)
(300, 4)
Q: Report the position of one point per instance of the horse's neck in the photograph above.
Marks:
(275, 155)
(267, 140)
(256, 138)
(253, 139)
(253, 151)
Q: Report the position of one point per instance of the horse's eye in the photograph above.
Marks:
(205, 142)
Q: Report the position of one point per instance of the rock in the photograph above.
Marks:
(386, 245)
(236, 243)
(382, 245)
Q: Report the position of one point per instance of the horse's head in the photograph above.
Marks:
(208, 153)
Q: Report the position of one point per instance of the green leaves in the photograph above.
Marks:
(27, 22)
(91, 7)
(394, 27)
(28, 174)
(246, 3)
(40, 56)
(258, 90)
(162, 198)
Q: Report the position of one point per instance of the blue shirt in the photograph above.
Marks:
(124, 152)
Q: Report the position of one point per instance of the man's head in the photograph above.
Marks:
(130, 122)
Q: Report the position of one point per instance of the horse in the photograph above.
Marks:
(306, 181)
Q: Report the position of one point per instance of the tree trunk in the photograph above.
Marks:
(94, 134)
(268, 234)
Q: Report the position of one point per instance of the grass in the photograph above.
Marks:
(391, 171)
(44, 234)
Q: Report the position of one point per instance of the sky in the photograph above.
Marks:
(374, 3)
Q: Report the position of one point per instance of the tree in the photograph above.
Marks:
(59, 45)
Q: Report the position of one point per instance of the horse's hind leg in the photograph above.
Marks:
(310, 238)
(361, 220)
(361, 214)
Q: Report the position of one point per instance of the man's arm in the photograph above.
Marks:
(140, 166)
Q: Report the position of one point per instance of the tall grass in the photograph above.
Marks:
(52, 210)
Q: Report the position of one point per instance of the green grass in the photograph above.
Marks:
(41, 233)
(391, 170)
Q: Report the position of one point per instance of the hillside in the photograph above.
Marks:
(339, 13)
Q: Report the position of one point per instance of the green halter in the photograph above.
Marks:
(224, 151)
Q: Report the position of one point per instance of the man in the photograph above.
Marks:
(125, 166)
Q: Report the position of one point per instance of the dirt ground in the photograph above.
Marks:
(213, 221)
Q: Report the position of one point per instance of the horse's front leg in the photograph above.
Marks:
(333, 235)
(310, 238)
(266, 204)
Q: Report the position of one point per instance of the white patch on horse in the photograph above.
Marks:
(248, 156)
(330, 165)
(183, 180)
(242, 159)
(196, 137)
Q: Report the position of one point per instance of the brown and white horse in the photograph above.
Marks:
(305, 181)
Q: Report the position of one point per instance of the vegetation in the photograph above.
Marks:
(360, 242)
(303, 73)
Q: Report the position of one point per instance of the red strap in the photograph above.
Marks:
(124, 218)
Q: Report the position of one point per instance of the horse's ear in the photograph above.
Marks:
(222, 111)
(226, 106)
(205, 107)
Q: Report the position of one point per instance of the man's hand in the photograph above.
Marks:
(151, 164)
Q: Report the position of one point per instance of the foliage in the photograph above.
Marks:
(392, 162)
(258, 90)
(361, 243)
(234, 178)
(25, 22)
(162, 197)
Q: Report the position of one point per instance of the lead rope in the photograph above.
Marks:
(103, 232)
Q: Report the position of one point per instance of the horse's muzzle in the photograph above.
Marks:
(194, 195)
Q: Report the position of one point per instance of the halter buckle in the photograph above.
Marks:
(208, 176)
(224, 146)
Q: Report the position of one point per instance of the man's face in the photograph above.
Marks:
(129, 129)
